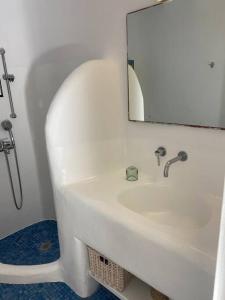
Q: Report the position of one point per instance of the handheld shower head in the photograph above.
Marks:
(6, 125)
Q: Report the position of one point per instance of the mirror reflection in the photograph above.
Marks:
(176, 63)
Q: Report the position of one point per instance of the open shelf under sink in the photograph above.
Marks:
(136, 289)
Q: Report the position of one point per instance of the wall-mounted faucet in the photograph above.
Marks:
(160, 152)
(182, 156)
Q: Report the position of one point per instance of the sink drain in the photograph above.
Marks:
(46, 246)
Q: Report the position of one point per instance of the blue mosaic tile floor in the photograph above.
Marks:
(47, 291)
(34, 245)
(38, 244)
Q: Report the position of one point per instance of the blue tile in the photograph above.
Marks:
(38, 244)
(34, 245)
(47, 291)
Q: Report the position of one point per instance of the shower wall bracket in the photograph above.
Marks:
(8, 79)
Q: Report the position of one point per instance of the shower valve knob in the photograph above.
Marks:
(160, 152)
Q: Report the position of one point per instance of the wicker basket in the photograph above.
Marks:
(107, 271)
(156, 295)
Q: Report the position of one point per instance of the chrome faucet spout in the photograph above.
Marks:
(182, 156)
(168, 164)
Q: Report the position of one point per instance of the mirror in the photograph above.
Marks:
(176, 63)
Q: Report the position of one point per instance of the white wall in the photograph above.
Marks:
(44, 42)
(172, 46)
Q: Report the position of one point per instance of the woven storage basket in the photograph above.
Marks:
(156, 295)
(107, 271)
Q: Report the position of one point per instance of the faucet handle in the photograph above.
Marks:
(160, 152)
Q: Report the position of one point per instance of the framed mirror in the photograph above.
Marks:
(176, 63)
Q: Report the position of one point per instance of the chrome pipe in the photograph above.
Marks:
(1, 90)
(8, 77)
(20, 205)
(19, 178)
(6, 146)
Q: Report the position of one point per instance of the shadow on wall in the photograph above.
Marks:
(45, 77)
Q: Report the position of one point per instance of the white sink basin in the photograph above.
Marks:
(167, 207)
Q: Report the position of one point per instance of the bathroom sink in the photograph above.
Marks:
(167, 206)
(172, 228)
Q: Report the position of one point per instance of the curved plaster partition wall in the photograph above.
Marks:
(83, 140)
(84, 123)
(136, 99)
